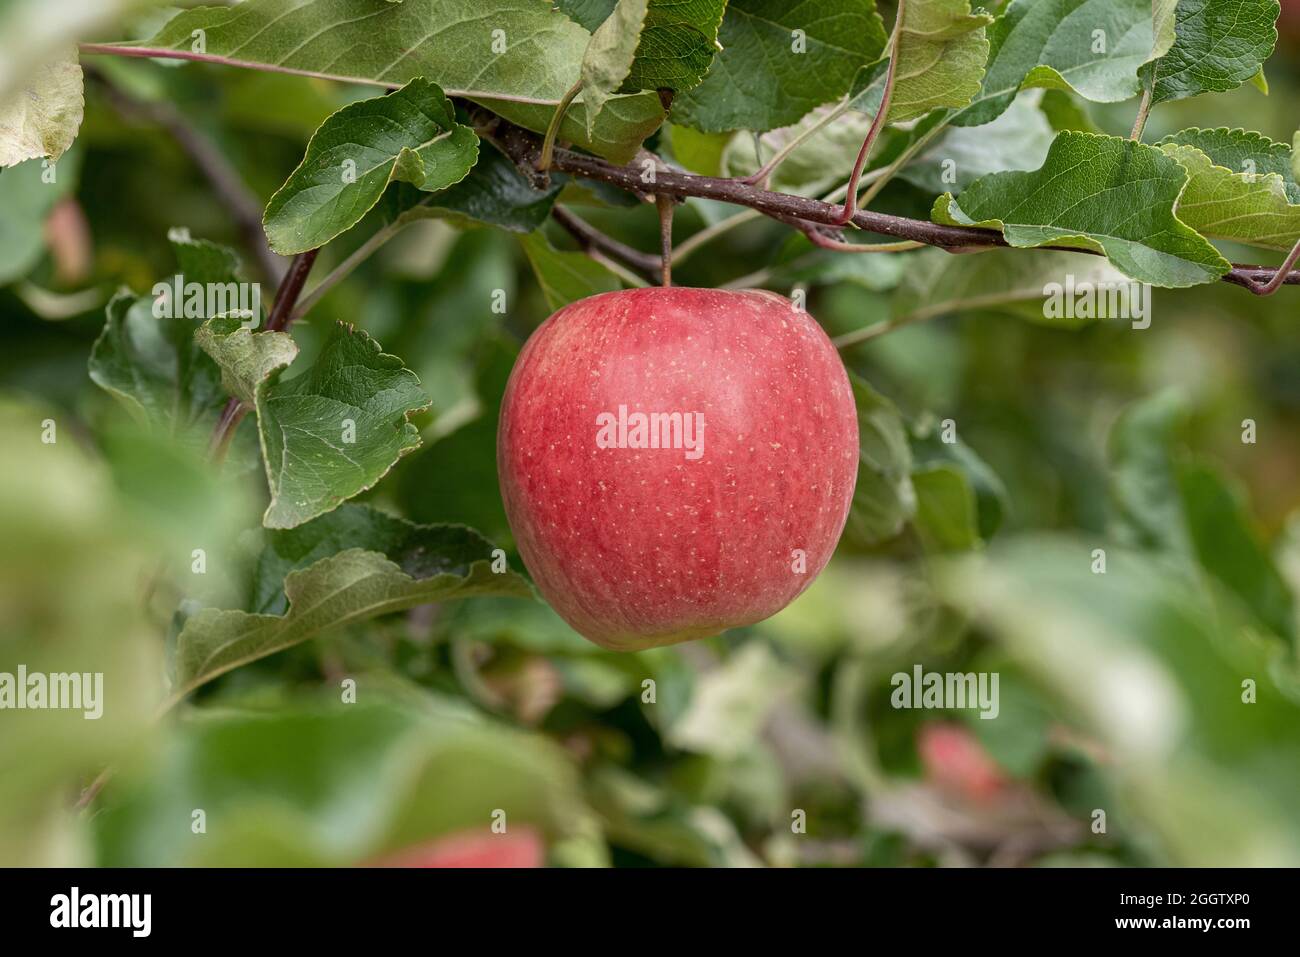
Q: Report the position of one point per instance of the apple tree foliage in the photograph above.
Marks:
(247, 511)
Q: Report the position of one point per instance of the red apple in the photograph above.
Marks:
(675, 462)
(478, 848)
(956, 762)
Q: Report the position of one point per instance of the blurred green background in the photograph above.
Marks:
(1120, 692)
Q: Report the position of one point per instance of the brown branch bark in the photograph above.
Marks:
(1263, 281)
(521, 146)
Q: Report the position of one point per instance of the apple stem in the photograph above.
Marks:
(665, 204)
(553, 129)
(877, 124)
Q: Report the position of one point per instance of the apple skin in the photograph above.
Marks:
(478, 848)
(639, 547)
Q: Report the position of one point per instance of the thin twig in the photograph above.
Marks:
(616, 267)
(1280, 275)
(883, 176)
(92, 790)
(232, 413)
(689, 245)
(761, 175)
(824, 238)
(235, 196)
(877, 123)
(589, 237)
(277, 321)
(287, 295)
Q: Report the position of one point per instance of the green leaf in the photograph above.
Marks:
(1228, 547)
(1180, 508)
(1094, 192)
(1260, 81)
(245, 357)
(678, 44)
(1065, 112)
(152, 363)
(817, 164)
(72, 558)
(590, 14)
(732, 703)
(566, 277)
(348, 566)
(147, 354)
(1143, 479)
(1013, 281)
(699, 152)
(941, 54)
(203, 261)
(608, 59)
(336, 429)
(515, 57)
(1240, 186)
(420, 551)
(410, 135)
(1092, 47)
(1220, 45)
(884, 498)
(494, 193)
(947, 519)
(1018, 139)
(42, 118)
(321, 783)
(768, 75)
(801, 263)
(1242, 151)
(1163, 26)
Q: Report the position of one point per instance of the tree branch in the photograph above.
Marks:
(243, 205)
(734, 191)
(1262, 286)
(784, 207)
(738, 193)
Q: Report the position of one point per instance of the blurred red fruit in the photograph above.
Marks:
(520, 848)
(955, 761)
